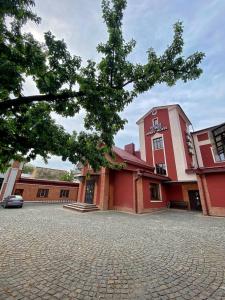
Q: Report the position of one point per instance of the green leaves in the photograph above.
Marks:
(102, 89)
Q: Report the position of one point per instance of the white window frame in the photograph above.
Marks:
(158, 135)
(214, 157)
(157, 138)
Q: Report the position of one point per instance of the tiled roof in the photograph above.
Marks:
(127, 157)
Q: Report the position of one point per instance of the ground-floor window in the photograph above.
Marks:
(1, 182)
(42, 193)
(19, 192)
(155, 191)
(64, 193)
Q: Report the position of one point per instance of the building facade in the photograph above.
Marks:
(134, 188)
(174, 167)
(43, 190)
(166, 144)
(210, 148)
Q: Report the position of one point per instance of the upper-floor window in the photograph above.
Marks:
(221, 156)
(64, 193)
(42, 193)
(158, 143)
(160, 169)
(218, 157)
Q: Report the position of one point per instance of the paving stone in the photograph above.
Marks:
(47, 252)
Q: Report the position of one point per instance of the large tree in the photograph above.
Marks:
(65, 86)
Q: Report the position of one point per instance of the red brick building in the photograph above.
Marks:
(127, 189)
(37, 190)
(41, 190)
(173, 168)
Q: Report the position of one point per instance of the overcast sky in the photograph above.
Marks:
(150, 23)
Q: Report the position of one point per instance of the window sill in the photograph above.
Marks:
(156, 201)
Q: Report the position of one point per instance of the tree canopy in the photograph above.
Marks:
(66, 85)
(68, 176)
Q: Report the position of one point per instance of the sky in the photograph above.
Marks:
(150, 23)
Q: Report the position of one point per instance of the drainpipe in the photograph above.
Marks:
(204, 194)
(135, 194)
(200, 177)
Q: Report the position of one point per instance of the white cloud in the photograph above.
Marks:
(54, 162)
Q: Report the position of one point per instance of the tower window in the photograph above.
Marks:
(155, 122)
(160, 169)
(158, 143)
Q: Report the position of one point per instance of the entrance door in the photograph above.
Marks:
(194, 199)
(89, 195)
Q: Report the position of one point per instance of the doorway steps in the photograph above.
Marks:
(81, 207)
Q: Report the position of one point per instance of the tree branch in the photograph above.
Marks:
(16, 102)
(128, 82)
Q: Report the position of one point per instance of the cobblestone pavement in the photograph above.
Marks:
(47, 252)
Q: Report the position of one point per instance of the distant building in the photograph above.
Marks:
(43, 190)
(38, 190)
(47, 173)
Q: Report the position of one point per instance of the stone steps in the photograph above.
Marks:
(81, 207)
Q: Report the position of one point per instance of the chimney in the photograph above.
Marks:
(138, 154)
(130, 148)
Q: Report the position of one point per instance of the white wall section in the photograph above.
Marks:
(142, 140)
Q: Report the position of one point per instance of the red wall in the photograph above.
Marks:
(159, 156)
(207, 157)
(216, 188)
(163, 117)
(30, 192)
(203, 136)
(123, 189)
(98, 186)
(206, 154)
(147, 195)
(174, 192)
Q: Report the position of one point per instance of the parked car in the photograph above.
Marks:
(12, 201)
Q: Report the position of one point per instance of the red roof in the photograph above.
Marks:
(132, 159)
